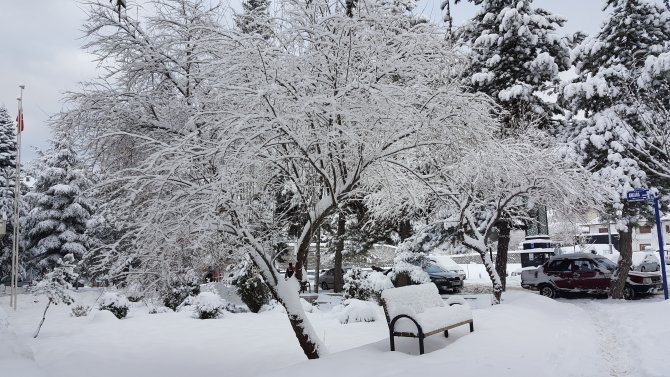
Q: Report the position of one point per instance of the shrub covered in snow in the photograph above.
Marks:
(134, 292)
(252, 290)
(362, 285)
(208, 305)
(408, 265)
(376, 282)
(116, 303)
(80, 310)
(179, 290)
(357, 311)
(354, 284)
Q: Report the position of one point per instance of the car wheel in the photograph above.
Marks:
(324, 285)
(548, 291)
(628, 293)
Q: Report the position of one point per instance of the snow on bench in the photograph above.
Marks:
(418, 311)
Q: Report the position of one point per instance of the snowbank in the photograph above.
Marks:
(15, 358)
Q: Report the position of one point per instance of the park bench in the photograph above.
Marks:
(418, 311)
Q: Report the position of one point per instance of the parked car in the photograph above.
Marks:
(327, 277)
(446, 281)
(448, 264)
(585, 273)
(7, 281)
(646, 261)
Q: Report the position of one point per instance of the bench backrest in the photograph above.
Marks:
(411, 299)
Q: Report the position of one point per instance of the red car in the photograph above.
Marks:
(585, 273)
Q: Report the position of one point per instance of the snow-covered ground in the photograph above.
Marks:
(527, 335)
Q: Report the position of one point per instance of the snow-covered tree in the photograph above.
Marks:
(609, 66)
(493, 179)
(60, 209)
(7, 186)
(516, 54)
(334, 109)
(56, 285)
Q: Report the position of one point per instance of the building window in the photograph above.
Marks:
(602, 230)
(667, 229)
(645, 246)
(645, 229)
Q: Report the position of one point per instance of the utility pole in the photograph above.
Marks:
(17, 198)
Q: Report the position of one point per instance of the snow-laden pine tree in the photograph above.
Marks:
(255, 18)
(515, 55)
(59, 209)
(7, 186)
(606, 92)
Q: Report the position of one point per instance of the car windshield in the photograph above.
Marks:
(433, 269)
(606, 263)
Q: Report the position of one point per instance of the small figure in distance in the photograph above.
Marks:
(289, 271)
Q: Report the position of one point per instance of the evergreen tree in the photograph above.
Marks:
(515, 53)
(254, 18)
(7, 186)
(57, 222)
(606, 92)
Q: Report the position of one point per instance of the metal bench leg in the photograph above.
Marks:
(446, 333)
(392, 341)
(421, 351)
(472, 326)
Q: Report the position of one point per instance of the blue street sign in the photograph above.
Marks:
(642, 195)
(638, 195)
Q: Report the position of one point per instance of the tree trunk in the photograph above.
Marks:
(623, 266)
(304, 332)
(316, 219)
(339, 247)
(495, 278)
(404, 229)
(44, 316)
(481, 246)
(317, 263)
(285, 291)
(504, 231)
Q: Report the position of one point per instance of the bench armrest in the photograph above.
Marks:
(396, 318)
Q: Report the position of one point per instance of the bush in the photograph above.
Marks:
(80, 310)
(356, 311)
(208, 305)
(178, 291)
(115, 303)
(355, 285)
(252, 290)
(362, 285)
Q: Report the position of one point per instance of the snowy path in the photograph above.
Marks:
(614, 347)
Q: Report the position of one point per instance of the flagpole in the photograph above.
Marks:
(17, 198)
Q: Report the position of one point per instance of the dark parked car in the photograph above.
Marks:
(7, 281)
(585, 273)
(446, 281)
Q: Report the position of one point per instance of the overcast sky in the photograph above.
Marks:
(40, 47)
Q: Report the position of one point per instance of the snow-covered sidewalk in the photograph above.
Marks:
(527, 335)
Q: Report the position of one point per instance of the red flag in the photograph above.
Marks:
(19, 120)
